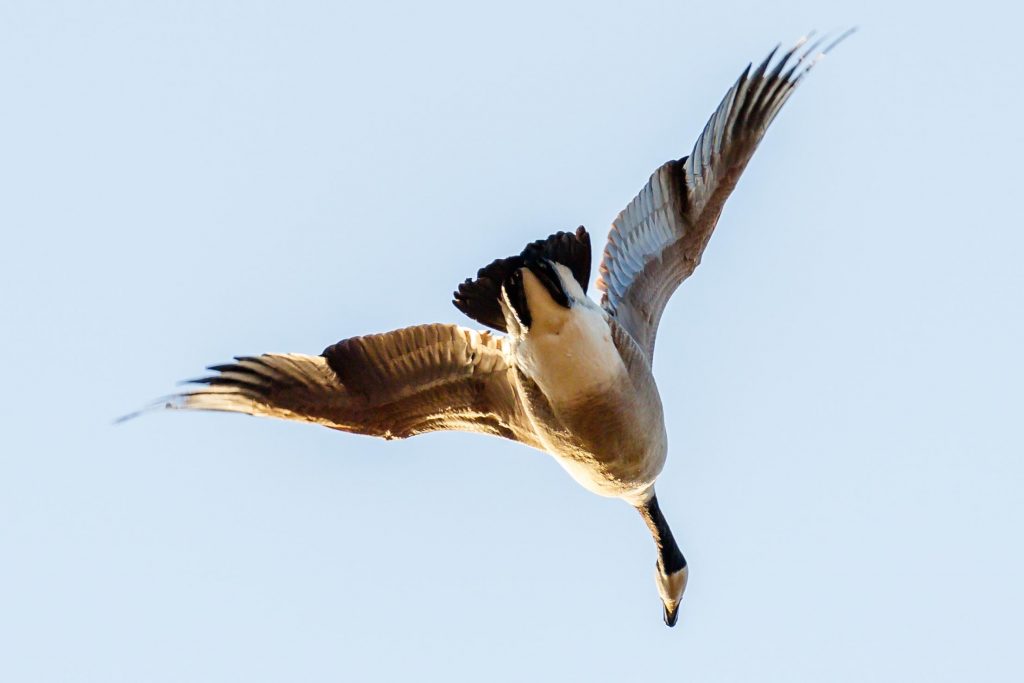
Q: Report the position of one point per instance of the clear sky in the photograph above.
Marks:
(187, 181)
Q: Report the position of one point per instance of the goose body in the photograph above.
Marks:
(570, 376)
(588, 392)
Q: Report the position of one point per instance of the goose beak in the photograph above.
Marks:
(671, 614)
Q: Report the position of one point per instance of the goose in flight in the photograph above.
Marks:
(567, 376)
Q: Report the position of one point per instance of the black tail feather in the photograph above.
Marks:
(479, 298)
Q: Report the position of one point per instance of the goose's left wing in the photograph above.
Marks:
(393, 385)
(657, 241)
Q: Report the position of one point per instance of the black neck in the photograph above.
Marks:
(670, 558)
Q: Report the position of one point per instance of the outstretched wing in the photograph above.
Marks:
(393, 385)
(657, 241)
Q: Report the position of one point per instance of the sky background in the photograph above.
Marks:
(181, 182)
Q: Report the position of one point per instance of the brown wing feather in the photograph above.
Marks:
(657, 241)
(393, 385)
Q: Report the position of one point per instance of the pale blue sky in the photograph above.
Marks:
(842, 378)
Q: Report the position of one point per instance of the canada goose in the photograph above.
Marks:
(569, 377)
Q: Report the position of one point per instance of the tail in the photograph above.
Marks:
(479, 298)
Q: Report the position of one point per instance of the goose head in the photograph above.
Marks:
(671, 571)
(671, 587)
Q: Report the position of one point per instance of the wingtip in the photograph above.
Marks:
(842, 36)
(816, 51)
(125, 418)
(175, 401)
(812, 51)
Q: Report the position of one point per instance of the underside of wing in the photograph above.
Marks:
(658, 240)
(393, 385)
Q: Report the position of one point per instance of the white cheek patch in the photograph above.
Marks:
(672, 587)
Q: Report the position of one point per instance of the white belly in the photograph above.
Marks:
(568, 352)
(576, 361)
(615, 445)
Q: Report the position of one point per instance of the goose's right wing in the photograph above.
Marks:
(393, 385)
(657, 241)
